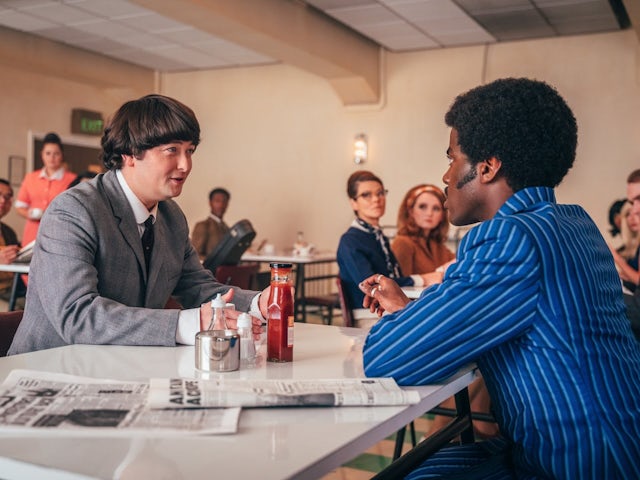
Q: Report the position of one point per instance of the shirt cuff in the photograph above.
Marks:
(188, 326)
(417, 280)
(254, 310)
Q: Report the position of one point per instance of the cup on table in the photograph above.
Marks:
(217, 350)
(35, 213)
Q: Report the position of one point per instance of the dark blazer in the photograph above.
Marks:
(88, 281)
(9, 235)
(207, 234)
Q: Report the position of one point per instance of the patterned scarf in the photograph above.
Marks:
(392, 265)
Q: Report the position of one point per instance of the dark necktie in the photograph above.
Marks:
(147, 240)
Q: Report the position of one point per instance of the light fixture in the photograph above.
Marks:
(360, 148)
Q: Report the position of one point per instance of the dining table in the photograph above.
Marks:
(17, 269)
(300, 263)
(270, 443)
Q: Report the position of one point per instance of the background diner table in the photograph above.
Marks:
(300, 263)
(273, 443)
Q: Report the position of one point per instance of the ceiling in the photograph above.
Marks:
(130, 30)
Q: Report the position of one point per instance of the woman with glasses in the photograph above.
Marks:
(364, 249)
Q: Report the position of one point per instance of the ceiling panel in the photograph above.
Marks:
(129, 32)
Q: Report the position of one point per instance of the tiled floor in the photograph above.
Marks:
(377, 457)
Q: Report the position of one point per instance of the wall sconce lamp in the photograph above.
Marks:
(360, 148)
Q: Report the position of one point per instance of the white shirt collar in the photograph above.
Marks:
(355, 224)
(140, 212)
(57, 175)
(217, 219)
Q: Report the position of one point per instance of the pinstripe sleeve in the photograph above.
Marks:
(486, 298)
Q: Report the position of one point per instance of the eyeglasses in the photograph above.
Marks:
(369, 195)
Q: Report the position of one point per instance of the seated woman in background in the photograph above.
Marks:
(363, 249)
(423, 224)
(615, 222)
(626, 256)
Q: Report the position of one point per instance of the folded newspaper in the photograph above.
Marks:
(53, 402)
(168, 393)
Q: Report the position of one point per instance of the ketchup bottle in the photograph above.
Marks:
(280, 315)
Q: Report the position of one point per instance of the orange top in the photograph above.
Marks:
(37, 191)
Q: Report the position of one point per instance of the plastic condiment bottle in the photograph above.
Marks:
(247, 347)
(218, 321)
(280, 315)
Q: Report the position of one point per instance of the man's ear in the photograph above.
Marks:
(488, 169)
(128, 160)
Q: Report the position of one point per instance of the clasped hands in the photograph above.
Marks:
(231, 315)
(382, 294)
(8, 254)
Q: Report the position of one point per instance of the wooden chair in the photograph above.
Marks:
(347, 313)
(241, 275)
(9, 322)
(326, 304)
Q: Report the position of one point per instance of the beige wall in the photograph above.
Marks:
(42, 81)
(281, 141)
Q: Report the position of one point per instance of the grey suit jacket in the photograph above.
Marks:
(88, 281)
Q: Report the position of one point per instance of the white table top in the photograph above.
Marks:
(272, 443)
(413, 292)
(15, 267)
(288, 257)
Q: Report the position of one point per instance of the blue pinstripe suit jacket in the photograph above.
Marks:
(535, 300)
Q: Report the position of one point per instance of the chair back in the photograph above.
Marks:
(347, 314)
(234, 243)
(9, 322)
(241, 275)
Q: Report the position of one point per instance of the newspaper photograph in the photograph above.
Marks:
(195, 393)
(55, 402)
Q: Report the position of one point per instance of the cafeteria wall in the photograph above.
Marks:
(42, 81)
(281, 141)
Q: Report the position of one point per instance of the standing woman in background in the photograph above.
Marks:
(41, 186)
(423, 225)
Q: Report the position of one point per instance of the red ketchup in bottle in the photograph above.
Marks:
(280, 315)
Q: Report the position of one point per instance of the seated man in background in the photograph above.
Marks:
(533, 298)
(9, 245)
(208, 233)
(120, 247)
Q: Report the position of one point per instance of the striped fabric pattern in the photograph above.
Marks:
(535, 300)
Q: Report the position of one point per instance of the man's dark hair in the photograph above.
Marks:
(141, 124)
(523, 123)
(219, 190)
(52, 137)
(6, 182)
(634, 177)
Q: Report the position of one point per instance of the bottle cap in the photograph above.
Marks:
(218, 302)
(244, 320)
(280, 265)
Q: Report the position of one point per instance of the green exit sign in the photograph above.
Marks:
(86, 122)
